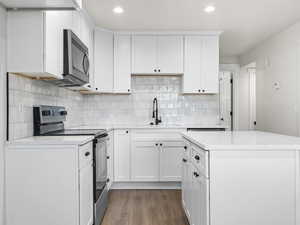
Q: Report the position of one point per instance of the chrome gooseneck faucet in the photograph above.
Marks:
(155, 112)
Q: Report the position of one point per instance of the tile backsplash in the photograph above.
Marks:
(108, 109)
(25, 93)
(174, 108)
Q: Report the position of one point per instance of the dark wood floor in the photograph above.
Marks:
(145, 207)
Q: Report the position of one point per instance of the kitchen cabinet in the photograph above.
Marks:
(144, 58)
(201, 65)
(153, 54)
(122, 63)
(110, 158)
(170, 54)
(52, 4)
(40, 35)
(145, 161)
(199, 198)
(86, 194)
(156, 155)
(122, 155)
(49, 183)
(245, 176)
(104, 61)
(170, 161)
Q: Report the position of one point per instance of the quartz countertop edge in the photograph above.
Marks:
(52, 140)
(242, 140)
(125, 126)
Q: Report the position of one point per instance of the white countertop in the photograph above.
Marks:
(161, 126)
(53, 140)
(242, 140)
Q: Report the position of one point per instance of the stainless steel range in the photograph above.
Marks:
(49, 121)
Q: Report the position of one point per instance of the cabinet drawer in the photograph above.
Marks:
(85, 154)
(199, 158)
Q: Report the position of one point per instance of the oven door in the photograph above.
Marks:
(100, 167)
(76, 59)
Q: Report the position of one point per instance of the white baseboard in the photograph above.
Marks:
(146, 185)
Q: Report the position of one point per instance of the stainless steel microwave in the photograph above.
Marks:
(76, 63)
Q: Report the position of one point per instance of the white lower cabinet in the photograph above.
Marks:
(144, 155)
(239, 187)
(170, 161)
(86, 195)
(122, 152)
(145, 161)
(49, 184)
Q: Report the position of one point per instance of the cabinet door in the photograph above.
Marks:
(186, 195)
(201, 65)
(122, 155)
(200, 199)
(210, 65)
(170, 161)
(144, 54)
(110, 157)
(122, 63)
(55, 23)
(145, 161)
(192, 79)
(103, 75)
(170, 54)
(76, 23)
(86, 195)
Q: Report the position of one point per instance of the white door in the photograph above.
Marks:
(192, 78)
(103, 74)
(86, 195)
(170, 161)
(144, 54)
(210, 65)
(145, 161)
(252, 97)
(122, 155)
(226, 99)
(122, 63)
(170, 54)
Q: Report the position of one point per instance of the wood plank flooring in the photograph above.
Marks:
(145, 207)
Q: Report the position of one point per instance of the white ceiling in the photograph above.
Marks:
(245, 22)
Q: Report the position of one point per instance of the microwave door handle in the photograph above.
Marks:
(85, 64)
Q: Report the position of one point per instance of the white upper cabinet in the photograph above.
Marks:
(35, 41)
(122, 63)
(144, 56)
(68, 4)
(157, 54)
(104, 48)
(170, 54)
(201, 67)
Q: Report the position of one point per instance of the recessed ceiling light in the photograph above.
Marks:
(209, 9)
(118, 10)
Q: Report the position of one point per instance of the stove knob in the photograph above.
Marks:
(63, 113)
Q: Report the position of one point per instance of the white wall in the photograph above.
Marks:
(277, 60)
(2, 107)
